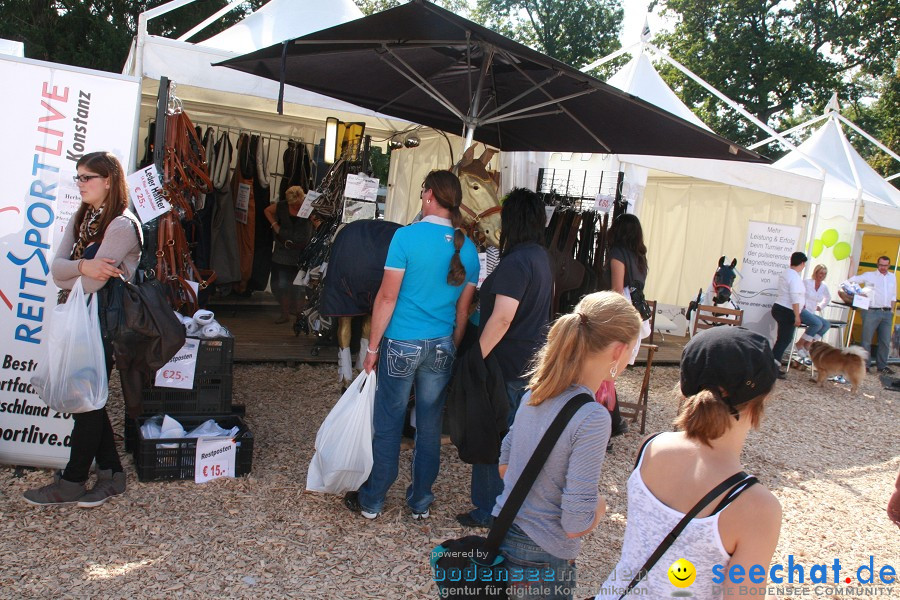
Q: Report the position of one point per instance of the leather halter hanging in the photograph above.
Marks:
(185, 176)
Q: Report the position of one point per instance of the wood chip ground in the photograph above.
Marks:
(830, 458)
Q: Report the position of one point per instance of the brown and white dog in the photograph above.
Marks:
(830, 361)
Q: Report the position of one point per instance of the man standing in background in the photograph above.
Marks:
(881, 286)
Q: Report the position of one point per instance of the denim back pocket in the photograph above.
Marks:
(444, 353)
(402, 358)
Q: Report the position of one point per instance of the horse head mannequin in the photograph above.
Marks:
(719, 292)
(722, 282)
(481, 197)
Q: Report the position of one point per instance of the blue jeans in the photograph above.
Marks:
(427, 363)
(880, 321)
(816, 326)
(486, 481)
(533, 573)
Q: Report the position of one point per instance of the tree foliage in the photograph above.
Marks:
(572, 31)
(776, 56)
(96, 34)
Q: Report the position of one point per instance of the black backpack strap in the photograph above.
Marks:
(735, 480)
(646, 443)
(734, 492)
(523, 485)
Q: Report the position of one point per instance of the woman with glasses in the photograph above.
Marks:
(101, 241)
(418, 321)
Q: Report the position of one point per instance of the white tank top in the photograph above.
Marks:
(649, 521)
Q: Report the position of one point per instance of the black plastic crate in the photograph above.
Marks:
(173, 458)
(212, 389)
(216, 355)
(131, 426)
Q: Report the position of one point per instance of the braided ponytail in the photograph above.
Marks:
(457, 274)
(447, 191)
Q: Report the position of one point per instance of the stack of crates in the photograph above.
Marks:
(210, 398)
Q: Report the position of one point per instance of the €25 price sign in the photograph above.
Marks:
(214, 459)
(179, 372)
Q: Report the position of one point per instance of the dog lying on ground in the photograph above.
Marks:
(829, 361)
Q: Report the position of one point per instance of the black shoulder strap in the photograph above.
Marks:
(646, 443)
(523, 485)
(735, 481)
(736, 491)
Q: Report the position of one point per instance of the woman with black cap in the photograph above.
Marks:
(726, 376)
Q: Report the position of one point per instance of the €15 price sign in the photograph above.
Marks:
(215, 458)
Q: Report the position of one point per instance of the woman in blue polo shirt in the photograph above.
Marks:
(417, 321)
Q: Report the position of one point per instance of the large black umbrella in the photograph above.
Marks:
(427, 65)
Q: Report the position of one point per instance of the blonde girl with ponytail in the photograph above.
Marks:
(727, 374)
(583, 349)
(418, 320)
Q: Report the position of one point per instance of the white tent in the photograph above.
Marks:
(224, 96)
(11, 48)
(854, 196)
(695, 210)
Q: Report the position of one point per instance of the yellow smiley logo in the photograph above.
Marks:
(682, 573)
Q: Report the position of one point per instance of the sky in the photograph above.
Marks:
(635, 12)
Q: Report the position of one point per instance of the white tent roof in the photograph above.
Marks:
(847, 175)
(191, 64)
(639, 78)
(281, 20)
(12, 48)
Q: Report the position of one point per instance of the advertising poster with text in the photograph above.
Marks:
(60, 113)
(766, 256)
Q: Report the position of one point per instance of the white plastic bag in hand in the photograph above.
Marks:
(343, 457)
(71, 376)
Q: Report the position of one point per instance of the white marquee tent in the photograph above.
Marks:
(854, 196)
(694, 210)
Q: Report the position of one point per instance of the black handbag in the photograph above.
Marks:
(636, 290)
(472, 566)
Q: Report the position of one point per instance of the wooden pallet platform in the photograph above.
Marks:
(259, 339)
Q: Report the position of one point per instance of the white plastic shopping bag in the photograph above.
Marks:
(71, 376)
(343, 457)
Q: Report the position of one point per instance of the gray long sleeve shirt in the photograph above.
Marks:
(563, 499)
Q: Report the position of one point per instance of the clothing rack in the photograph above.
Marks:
(277, 145)
(578, 187)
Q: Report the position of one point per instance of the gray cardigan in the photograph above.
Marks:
(119, 243)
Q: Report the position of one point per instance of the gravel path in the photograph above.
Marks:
(830, 458)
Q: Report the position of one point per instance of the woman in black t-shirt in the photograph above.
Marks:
(515, 309)
(627, 254)
(628, 269)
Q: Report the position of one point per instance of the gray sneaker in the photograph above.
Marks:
(60, 491)
(108, 484)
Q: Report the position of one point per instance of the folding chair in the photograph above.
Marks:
(715, 316)
(633, 410)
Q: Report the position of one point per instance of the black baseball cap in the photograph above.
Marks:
(735, 359)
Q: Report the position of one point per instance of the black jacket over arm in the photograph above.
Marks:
(477, 407)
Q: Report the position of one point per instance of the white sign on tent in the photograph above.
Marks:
(766, 255)
(61, 113)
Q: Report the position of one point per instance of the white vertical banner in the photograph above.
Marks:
(767, 254)
(60, 113)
